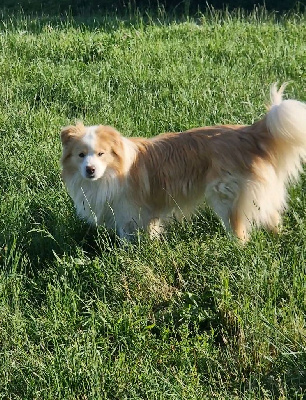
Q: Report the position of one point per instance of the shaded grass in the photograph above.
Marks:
(193, 316)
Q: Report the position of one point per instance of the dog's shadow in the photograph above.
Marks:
(47, 235)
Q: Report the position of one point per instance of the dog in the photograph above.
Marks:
(242, 172)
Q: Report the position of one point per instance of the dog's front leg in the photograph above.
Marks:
(127, 230)
(156, 228)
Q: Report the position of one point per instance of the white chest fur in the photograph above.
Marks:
(94, 199)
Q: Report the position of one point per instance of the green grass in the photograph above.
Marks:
(193, 316)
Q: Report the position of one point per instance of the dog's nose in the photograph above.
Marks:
(90, 170)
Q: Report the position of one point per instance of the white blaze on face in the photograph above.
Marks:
(92, 167)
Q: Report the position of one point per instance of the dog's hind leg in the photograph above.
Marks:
(238, 225)
(275, 223)
(222, 196)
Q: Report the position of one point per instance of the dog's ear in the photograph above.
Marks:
(110, 133)
(71, 131)
(67, 132)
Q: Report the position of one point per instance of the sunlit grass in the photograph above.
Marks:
(193, 316)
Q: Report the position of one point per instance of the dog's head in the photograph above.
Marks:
(92, 151)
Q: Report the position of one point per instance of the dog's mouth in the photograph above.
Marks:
(91, 177)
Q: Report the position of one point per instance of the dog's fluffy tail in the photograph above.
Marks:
(286, 119)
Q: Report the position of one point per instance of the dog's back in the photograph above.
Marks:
(242, 170)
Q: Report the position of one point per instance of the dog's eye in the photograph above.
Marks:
(82, 155)
(100, 154)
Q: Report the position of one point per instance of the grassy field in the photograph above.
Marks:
(194, 316)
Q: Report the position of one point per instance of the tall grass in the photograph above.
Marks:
(192, 316)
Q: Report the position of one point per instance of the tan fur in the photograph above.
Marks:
(241, 171)
(179, 165)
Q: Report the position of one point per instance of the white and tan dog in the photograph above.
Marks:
(137, 183)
